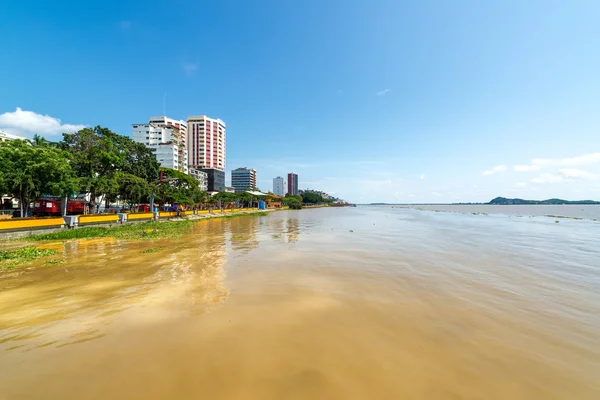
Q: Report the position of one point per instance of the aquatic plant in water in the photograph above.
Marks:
(11, 258)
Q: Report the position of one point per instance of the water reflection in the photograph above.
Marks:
(104, 280)
(244, 233)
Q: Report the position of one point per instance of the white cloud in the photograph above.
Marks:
(526, 168)
(190, 67)
(548, 178)
(495, 170)
(522, 184)
(29, 123)
(538, 163)
(572, 173)
(422, 177)
(564, 175)
(585, 159)
(383, 92)
(436, 194)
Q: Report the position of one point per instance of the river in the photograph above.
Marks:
(345, 303)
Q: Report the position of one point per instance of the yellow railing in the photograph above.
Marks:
(146, 215)
(30, 223)
(167, 214)
(97, 219)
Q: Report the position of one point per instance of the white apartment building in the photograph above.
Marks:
(206, 142)
(202, 177)
(279, 186)
(166, 138)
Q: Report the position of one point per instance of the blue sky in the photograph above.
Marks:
(393, 101)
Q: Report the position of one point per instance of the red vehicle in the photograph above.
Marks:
(52, 206)
(143, 208)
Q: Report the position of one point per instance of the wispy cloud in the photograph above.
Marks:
(422, 177)
(28, 123)
(563, 175)
(383, 92)
(585, 159)
(522, 184)
(495, 170)
(190, 67)
(436, 194)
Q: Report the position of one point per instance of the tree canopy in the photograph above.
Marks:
(99, 157)
(27, 171)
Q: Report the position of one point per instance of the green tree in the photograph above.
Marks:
(245, 198)
(98, 154)
(28, 171)
(293, 202)
(179, 188)
(132, 188)
(311, 198)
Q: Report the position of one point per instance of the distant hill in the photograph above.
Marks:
(505, 201)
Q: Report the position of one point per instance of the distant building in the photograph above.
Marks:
(206, 142)
(243, 179)
(292, 184)
(166, 138)
(279, 187)
(216, 179)
(5, 137)
(229, 189)
(201, 176)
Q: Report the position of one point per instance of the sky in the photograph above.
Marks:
(379, 101)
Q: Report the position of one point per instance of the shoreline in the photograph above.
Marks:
(22, 250)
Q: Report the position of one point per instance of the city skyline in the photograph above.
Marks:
(427, 102)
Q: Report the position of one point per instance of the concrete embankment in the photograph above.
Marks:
(17, 228)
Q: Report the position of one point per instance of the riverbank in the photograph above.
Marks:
(23, 250)
(26, 227)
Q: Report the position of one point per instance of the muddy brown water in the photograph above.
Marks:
(361, 303)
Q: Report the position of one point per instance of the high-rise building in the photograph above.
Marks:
(279, 186)
(206, 142)
(216, 179)
(243, 179)
(166, 138)
(292, 184)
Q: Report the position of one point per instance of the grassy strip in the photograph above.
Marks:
(251, 214)
(144, 230)
(11, 258)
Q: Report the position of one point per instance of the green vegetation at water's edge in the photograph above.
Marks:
(11, 258)
(562, 216)
(145, 230)
(152, 250)
(505, 201)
